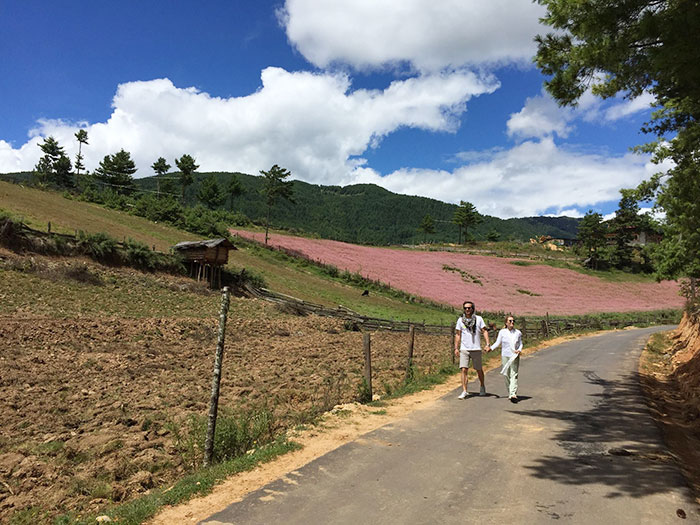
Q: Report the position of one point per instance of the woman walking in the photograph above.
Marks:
(511, 342)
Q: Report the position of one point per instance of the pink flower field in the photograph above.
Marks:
(491, 282)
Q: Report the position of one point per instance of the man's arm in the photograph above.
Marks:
(485, 331)
(458, 341)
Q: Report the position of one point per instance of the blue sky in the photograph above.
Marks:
(428, 98)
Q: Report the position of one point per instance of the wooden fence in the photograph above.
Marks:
(531, 328)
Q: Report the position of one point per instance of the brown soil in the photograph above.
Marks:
(672, 383)
(89, 404)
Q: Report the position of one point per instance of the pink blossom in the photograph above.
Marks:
(491, 282)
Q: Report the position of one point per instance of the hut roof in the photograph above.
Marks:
(209, 243)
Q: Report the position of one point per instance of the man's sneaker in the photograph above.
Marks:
(482, 391)
(462, 395)
(513, 399)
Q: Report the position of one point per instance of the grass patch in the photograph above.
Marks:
(522, 263)
(236, 434)
(466, 277)
(659, 343)
(657, 353)
(37, 208)
(527, 292)
(421, 380)
(197, 484)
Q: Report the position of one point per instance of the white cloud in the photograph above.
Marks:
(641, 103)
(312, 124)
(430, 35)
(540, 117)
(527, 180)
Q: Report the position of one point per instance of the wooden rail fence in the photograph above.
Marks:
(531, 328)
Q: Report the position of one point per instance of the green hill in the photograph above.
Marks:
(38, 208)
(369, 214)
(360, 213)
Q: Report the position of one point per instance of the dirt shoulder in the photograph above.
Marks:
(343, 424)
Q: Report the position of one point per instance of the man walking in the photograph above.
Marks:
(468, 345)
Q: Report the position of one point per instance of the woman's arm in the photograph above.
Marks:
(499, 340)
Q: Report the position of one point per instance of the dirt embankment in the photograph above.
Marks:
(671, 377)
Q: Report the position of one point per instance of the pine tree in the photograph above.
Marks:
(82, 138)
(54, 167)
(186, 165)
(465, 217)
(116, 171)
(161, 167)
(274, 187)
(233, 189)
(591, 233)
(209, 193)
(629, 48)
(427, 226)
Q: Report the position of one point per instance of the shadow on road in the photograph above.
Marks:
(614, 444)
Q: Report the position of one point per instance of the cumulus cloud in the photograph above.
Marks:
(426, 34)
(310, 123)
(541, 116)
(524, 180)
(622, 109)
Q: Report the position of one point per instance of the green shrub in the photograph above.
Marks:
(236, 433)
(99, 246)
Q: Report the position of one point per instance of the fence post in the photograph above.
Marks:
(368, 364)
(216, 381)
(409, 362)
(524, 330)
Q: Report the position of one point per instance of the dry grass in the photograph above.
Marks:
(37, 208)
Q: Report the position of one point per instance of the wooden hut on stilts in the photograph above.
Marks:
(205, 258)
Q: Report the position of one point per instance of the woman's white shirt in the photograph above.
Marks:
(510, 341)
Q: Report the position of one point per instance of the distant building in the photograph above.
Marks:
(639, 237)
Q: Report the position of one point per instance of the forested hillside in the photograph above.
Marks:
(369, 214)
(361, 213)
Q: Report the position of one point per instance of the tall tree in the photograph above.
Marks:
(116, 171)
(54, 167)
(233, 189)
(591, 234)
(465, 217)
(625, 226)
(82, 138)
(161, 167)
(274, 186)
(427, 226)
(186, 165)
(629, 48)
(209, 193)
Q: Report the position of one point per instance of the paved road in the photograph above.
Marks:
(487, 460)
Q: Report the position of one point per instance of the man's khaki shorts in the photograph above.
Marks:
(470, 359)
